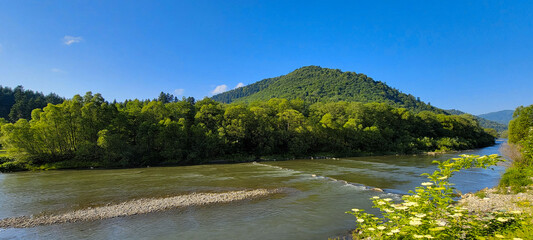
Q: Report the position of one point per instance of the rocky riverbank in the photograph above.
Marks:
(134, 207)
(490, 200)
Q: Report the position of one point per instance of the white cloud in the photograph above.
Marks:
(70, 40)
(179, 92)
(239, 85)
(57, 70)
(220, 89)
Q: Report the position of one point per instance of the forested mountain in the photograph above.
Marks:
(316, 84)
(502, 117)
(18, 103)
(484, 123)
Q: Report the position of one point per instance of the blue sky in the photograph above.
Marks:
(475, 56)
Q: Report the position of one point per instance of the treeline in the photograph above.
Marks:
(521, 126)
(498, 129)
(18, 103)
(88, 131)
(519, 176)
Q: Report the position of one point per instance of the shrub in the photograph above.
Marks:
(4, 159)
(527, 150)
(425, 143)
(481, 194)
(12, 166)
(447, 144)
(517, 178)
(429, 211)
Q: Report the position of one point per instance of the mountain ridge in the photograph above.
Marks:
(503, 116)
(483, 122)
(317, 84)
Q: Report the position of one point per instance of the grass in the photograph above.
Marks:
(518, 179)
(481, 194)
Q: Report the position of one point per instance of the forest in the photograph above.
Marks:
(87, 131)
(18, 103)
(500, 128)
(317, 84)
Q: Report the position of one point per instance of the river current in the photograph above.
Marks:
(319, 192)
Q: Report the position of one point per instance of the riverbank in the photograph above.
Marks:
(135, 207)
(9, 165)
(514, 194)
(490, 200)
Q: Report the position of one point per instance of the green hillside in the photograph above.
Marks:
(485, 123)
(502, 117)
(317, 84)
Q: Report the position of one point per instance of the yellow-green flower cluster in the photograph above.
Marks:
(428, 212)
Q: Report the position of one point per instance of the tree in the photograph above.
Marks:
(521, 123)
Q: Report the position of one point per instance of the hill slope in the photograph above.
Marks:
(502, 117)
(485, 123)
(316, 84)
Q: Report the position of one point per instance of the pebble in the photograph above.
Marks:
(134, 207)
(494, 201)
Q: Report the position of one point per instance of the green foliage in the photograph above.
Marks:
(68, 164)
(481, 194)
(447, 144)
(498, 127)
(18, 103)
(4, 159)
(12, 166)
(492, 132)
(520, 126)
(517, 178)
(316, 84)
(88, 129)
(489, 125)
(429, 213)
(523, 231)
(527, 149)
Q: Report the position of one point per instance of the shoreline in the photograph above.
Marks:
(77, 165)
(136, 207)
(491, 199)
(94, 165)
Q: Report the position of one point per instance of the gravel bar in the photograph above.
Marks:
(134, 207)
(494, 201)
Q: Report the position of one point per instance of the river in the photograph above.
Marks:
(319, 193)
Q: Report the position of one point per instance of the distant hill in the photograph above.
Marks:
(485, 123)
(502, 117)
(317, 84)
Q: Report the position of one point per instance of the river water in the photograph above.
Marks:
(319, 192)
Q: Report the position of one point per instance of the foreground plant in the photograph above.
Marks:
(429, 212)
